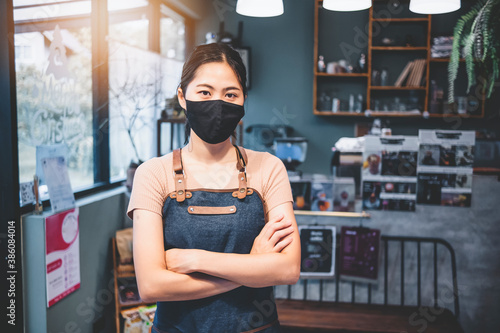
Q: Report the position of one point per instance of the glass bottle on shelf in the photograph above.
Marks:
(359, 104)
(396, 105)
(375, 77)
(324, 102)
(362, 63)
(321, 64)
(351, 103)
(335, 102)
(384, 77)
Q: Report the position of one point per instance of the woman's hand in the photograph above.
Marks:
(274, 237)
(183, 261)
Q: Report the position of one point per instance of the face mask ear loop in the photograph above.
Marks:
(190, 144)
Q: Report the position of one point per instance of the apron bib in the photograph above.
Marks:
(219, 221)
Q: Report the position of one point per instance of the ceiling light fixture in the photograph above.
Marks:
(260, 8)
(434, 6)
(347, 6)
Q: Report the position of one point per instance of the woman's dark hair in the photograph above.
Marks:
(204, 54)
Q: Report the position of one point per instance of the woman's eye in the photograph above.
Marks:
(230, 95)
(205, 93)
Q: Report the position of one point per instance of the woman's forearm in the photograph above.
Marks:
(251, 270)
(163, 285)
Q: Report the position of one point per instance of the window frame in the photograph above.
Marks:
(98, 20)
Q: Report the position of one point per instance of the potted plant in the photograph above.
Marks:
(477, 34)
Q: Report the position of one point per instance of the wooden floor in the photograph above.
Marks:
(310, 316)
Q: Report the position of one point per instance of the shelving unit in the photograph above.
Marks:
(343, 74)
(398, 48)
(375, 55)
(117, 276)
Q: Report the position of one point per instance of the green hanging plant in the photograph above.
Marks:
(478, 34)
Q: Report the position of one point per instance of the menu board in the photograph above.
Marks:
(389, 173)
(62, 256)
(445, 167)
(317, 251)
(359, 254)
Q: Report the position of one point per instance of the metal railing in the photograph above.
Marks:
(402, 241)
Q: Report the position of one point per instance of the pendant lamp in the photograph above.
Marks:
(434, 6)
(347, 5)
(260, 8)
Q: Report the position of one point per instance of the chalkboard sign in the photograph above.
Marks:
(318, 251)
(359, 254)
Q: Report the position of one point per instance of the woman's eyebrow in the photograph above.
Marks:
(205, 85)
(231, 88)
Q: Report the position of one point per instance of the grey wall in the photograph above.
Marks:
(282, 80)
(90, 308)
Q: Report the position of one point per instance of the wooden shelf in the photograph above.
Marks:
(339, 113)
(133, 304)
(443, 60)
(396, 88)
(401, 20)
(392, 114)
(399, 48)
(370, 114)
(450, 115)
(343, 74)
(332, 214)
(123, 275)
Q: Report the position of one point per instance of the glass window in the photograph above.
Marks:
(139, 82)
(54, 86)
(53, 52)
(128, 22)
(172, 34)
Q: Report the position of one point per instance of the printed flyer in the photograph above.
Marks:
(389, 173)
(317, 251)
(445, 167)
(62, 256)
(359, 254)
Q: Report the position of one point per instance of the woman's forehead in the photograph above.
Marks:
(216, 73)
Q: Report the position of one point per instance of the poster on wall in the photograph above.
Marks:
(62, 256)
(359, 254)
(317, 251)
(445, 163)
(389, 173)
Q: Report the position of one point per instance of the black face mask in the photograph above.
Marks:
(214, 121)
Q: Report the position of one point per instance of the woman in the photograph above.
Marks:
(214, 230)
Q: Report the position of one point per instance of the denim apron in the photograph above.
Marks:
(218, 221)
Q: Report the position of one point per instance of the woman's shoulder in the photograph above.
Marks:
(156, 165)
(263, 163)
(261, 156)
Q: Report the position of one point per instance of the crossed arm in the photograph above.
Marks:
(187, 274)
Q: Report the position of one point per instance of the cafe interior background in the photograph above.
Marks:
(100, 78)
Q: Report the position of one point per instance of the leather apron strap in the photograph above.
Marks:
(180, 185)
(241, 165)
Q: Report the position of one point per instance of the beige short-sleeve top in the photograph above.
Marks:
(266, 174)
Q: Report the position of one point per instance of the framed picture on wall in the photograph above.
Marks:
(245, 53)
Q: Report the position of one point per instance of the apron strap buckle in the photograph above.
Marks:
(180, 186)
